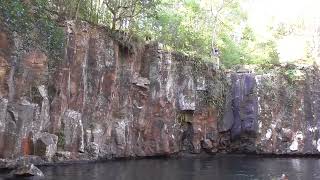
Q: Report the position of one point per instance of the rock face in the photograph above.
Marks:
(105, 99)
(273, 114)
(289, 113)
(111, 99)
(243, 112)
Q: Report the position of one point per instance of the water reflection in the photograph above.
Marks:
(296, 164)
(222, 167)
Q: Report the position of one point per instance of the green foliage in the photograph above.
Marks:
(248, 50)
(231, 53)
(196, 27)
(61, 140)
(33, 23)
(217, 97)
(16, 15)
(293, 75)
(53, 36)
(183, 117)
(192, 27)
(177, 33)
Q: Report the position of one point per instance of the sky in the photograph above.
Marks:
(263, 13)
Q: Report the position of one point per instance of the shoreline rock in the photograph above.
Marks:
(26, 171)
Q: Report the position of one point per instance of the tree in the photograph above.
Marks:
(193, 27)
(124, 11)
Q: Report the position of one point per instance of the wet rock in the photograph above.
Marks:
(244, 105)
(46, 145)
(27, 170)
(241, 113)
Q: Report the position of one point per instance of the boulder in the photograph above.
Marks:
(27, 170)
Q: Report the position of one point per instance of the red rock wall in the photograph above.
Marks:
(105, 99)
(109, 99)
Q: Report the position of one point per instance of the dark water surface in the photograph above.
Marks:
(208, 168)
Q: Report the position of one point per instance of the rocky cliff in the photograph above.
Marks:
(110, 99)
(274, 113)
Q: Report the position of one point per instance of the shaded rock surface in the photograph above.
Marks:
(109, 99)
(46, 145)
(273, 114)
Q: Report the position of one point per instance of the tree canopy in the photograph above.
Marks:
(214, 30)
